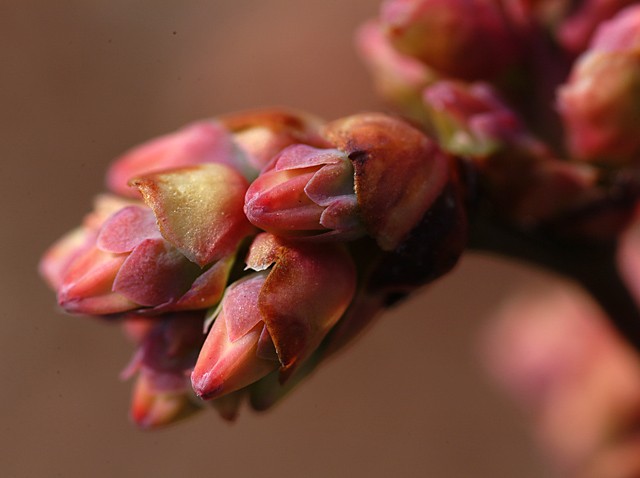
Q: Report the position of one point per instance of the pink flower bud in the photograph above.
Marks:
(523, 180)
(276, 317)
(452, 36)
(152, 406)
(128, 262)
(60, 255)
(244, 141)
(470, 119)
(307, 191)
(600, 104)
(578, 381)
(167, 350)
(238, 350)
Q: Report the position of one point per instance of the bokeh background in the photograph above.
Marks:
(83, 80)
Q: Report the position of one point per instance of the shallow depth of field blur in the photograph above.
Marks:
(83, 80)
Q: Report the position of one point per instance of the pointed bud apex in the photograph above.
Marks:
(229, 359)
(153, 407)
(600, 104)
(307, 191)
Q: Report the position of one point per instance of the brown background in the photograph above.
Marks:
(84, 80)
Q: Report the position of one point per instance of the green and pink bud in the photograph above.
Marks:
(175, 253)
(600, 103)
(275, 318)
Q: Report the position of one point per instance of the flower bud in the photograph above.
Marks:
(166, 353)
(276, 317)
(244, 141)
(174, 255)
(452, 36)
(238, 350)
(470, 119)
(600, 104)
(522, 178)
(307, 191)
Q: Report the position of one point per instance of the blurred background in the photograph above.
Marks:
(82, 81)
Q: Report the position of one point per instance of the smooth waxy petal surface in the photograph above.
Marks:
(307, 290)
(199, 209)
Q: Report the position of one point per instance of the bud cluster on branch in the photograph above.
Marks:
(239, 252)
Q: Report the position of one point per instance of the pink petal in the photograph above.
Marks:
(240, 306)
(300, 156)
(276, 202)
(307, 291)
(127, 228)
(102, 304)
(224, 366)
(263, 252)
(342, 215)
(154, 273)
(199, 209)
(87, 284)
(57, 259)
(206, 291)
(331, 181)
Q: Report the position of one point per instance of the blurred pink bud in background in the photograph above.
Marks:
(600, 103)
(453, 36)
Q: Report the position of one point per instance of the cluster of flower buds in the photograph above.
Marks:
(239, 252)
(489, 78)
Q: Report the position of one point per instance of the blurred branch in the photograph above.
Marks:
(590, 264)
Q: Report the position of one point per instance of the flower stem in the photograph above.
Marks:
(591, 264)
